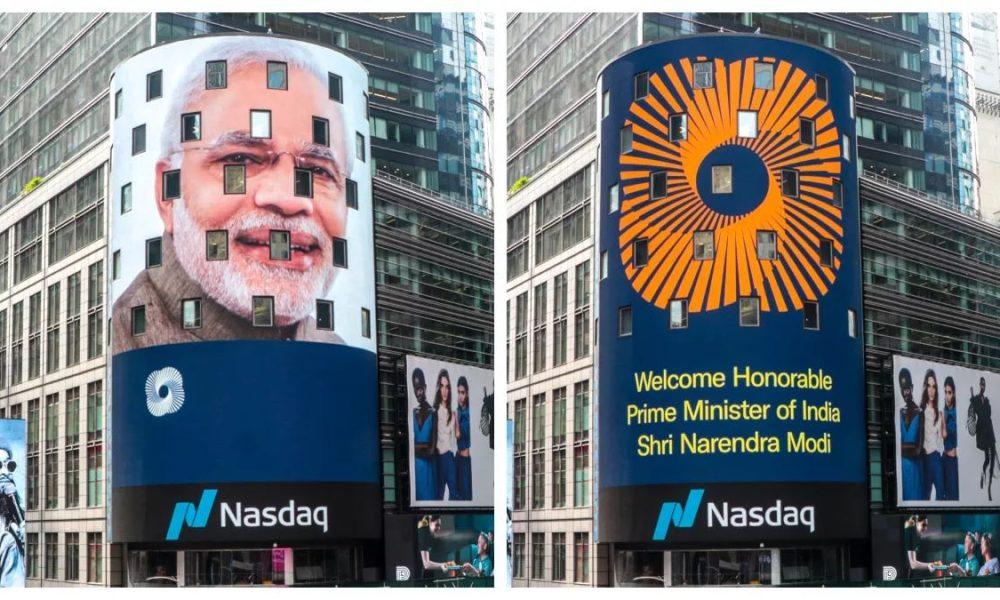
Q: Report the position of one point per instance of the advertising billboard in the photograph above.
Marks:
(447, 548)
(944, 435)
(13, 435)
(730, 401)
(450, 419)
(954, 546)
(242, 221)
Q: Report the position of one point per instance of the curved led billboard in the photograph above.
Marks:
(730, 379)
(243, 357)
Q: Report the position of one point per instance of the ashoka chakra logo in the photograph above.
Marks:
(164, 391)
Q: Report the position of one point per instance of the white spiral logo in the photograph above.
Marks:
(402, 573)
(170, 380)
(889, 573)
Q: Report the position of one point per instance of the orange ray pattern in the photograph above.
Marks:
(668, 223)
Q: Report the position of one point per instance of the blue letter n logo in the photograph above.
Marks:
(680, 516)
(186, 513)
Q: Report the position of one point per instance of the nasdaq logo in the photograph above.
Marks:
(186, 513)
(678, 515)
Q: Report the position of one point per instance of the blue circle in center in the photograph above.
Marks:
(749, 180)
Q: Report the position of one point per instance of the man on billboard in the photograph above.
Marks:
(263, 157)
(11, 525)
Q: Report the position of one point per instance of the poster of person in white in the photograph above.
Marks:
(451, 433)
(945, 435)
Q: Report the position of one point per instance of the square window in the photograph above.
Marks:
(807, 132)
(604, 265)
(138, 320)
(613, 198)
(154, 252)
(641, 85)
(624, 321)
(340, 252)
(324, 315)
(640, 252)
(321, 131)
(138, 139)
(852, 323)
(810, 315)
(126, 198)
(678, 127)
(217, 245)
(749, 312)
(703, 75)
(190, 127)
(658, 184)
(605, 103)
(335, 83)
(119, 103)
(822, 88)
(746, 123)
(191, 313)
(359, 146)
(704, 245)
(277, 75)
(234, 179)
(366, 323)
(626, 139)
(767, 245)
(722, 179)
(763, 76)
(303, 183)
(154, 85)
(116, 265)
(281, 245)
(352, 194)
(790, 183)
(826, 253)
(215, 75)
(678, 314)
(171, 185)
(263, 311)
(260, 124)
(837, 193)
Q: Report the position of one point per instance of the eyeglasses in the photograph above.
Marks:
(10, 465)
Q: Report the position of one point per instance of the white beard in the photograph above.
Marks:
(229, 284)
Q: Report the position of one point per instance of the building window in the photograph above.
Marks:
(604, 265)
(704, 245)
(613, 198)
(822, 88)
(119, 103)
(366, 323)
(352, 194)
(190, 127)
(678, 314)
(558, 556)
(138, 320)
(51, 555)
(722, 179)
(807, 132)
(746, 123)
(538, 479)
(191, 313)
(581, 557)
(658, 184)
(790, 183)
(625, 139)
(641, 85)
(335, 84)
(767, 245)
(581, 322)
(321, 131)
(749, 312)
(217, 245)
(303, 183)
(678, 127)
(810, 315)
(541, 313)
(277, 75)
(72, 559)
(845, 146)
(837, 193)
(703, 75)
(537, 555)
(138, 139)
(324, 315)
(826, 253)
(171, 185)
(624, 321)
(31, 555)
(605, 103)
(340, 252)
(126, 198)
(263, 311)
(763, 76)
(260, 124)
(95, 309)
(518, 556)
(280, 245)
(560, 324)
(640, 252)
(95, 558)
(154, 85)
(852, 323)
(154, 252)
(234, 179)
(215, 75)
(359, 146)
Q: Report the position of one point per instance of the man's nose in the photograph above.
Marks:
(274, 189)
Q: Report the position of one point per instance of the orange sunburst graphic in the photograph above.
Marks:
(803, 224)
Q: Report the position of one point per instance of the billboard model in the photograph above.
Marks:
(945, 437)
(730, 402)
(13, 435)
(451, 433)
(241, 222)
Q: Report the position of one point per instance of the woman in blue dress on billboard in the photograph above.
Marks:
(911, 440)
(463, 461)
(949, 461)
(447, 430)
(424, 442)
(933, 438)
